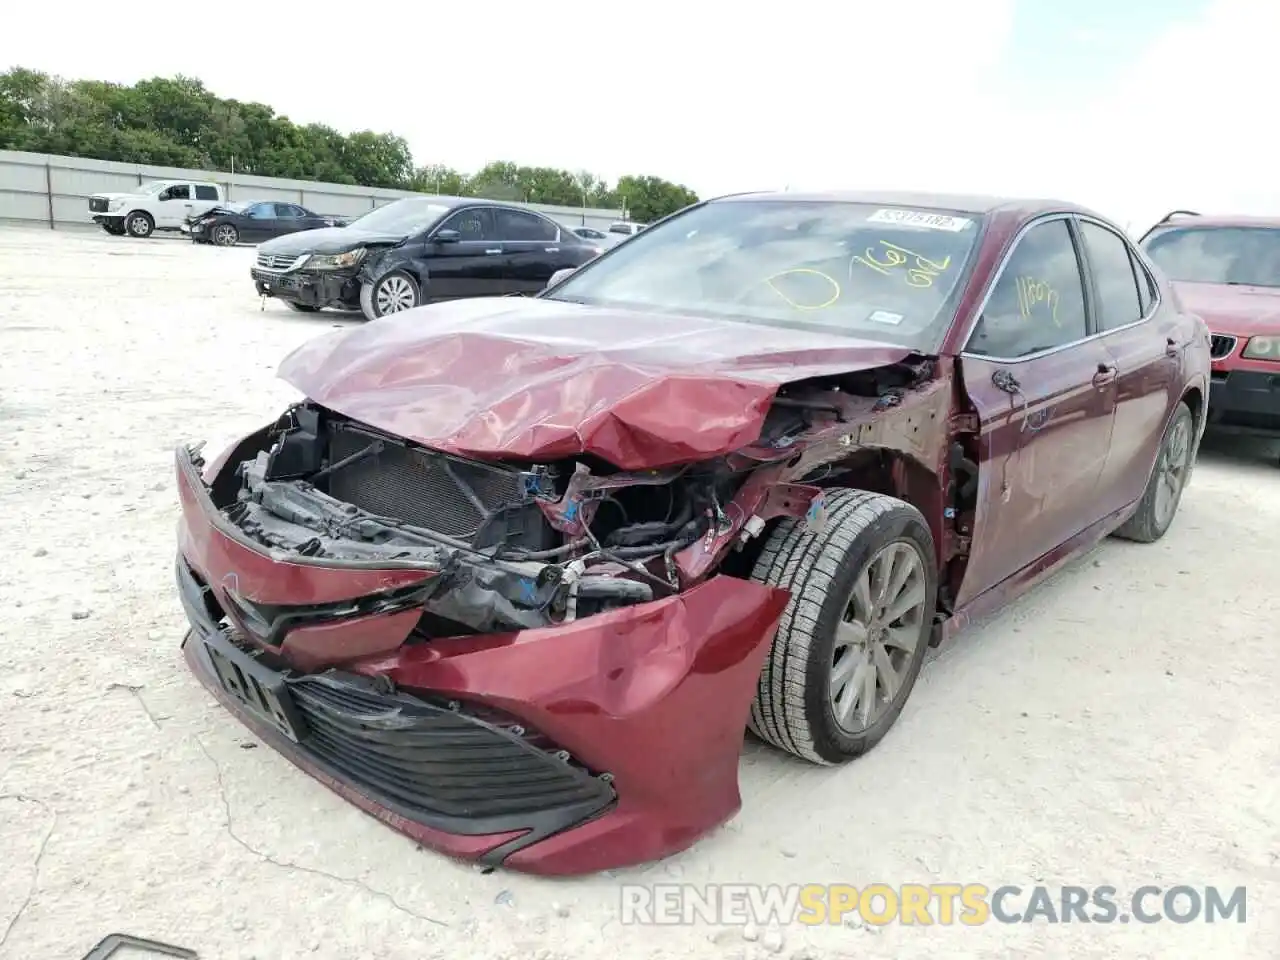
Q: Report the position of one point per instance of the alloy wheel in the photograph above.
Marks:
(395, 294)
(1171, 472)
(225, 235)
(877, 636)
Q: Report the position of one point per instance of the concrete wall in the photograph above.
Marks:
(37, 188)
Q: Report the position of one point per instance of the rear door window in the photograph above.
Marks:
(1119, 303)
(516, 226)
(1038, 302)
(205, 192)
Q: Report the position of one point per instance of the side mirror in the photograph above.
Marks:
(559, 275)
(165, 195)
(447, 236)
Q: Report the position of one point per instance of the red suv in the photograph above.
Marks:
(1227, 270)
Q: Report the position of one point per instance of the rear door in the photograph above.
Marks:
(1146, 350)
(1044, 388)
(534, 249)
(290, 218)
(474, 265)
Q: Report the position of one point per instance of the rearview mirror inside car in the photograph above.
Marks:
(447, 236)
(560, 275)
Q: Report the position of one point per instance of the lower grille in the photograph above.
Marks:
(428, 489)
(97, 205)
(1221, 346)
(284, 281)
(432, 763)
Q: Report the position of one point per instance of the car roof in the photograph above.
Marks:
(977, 204)
(445, 200)
(1188, 218)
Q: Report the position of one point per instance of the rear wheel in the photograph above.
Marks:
(226, 235)
(854, 635)
(393, 293)
(1160, 500)
(139, 224)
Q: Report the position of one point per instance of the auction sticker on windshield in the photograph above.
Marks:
(916, 218)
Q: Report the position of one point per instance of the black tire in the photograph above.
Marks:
(1151, 522)
(224, 235)
(302, 307)
(139, 224)
(792, 708)
(372, 293)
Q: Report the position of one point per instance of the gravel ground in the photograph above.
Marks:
(1117, 726)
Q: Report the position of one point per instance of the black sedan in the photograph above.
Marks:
(419, 250)
(253, 222)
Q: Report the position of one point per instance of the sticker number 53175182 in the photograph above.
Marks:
(917, 218)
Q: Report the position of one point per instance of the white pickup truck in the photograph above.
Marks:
(160, 205)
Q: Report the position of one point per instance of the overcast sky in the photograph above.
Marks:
(1134, 108)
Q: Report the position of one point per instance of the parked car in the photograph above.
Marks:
(418, 250)
(626, 228)
(160, 205)
(256, 220)
(590, 233)
(1227, 270)
(743, 470)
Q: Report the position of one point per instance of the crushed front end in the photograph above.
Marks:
(533, 664)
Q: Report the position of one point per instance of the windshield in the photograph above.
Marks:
(401, 216)
(1244, 255)
(845, 268)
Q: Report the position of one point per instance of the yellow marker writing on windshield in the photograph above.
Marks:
(1032, 292)
(835, 287)
(893, 256)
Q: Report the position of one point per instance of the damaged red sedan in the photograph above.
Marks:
(517, 573)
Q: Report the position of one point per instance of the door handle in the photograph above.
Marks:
(552, 250)
(1105, 374)
(499, 250)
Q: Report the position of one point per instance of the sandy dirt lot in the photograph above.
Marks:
(1118, 726)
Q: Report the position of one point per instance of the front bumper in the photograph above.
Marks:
(1245, 402)
(312, 289)
(604, 742)
(112, 218)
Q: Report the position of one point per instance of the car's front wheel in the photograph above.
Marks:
(226, 235)
(854, 635)
(139, 224)
(392, 293)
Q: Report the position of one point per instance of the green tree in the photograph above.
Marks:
(647, 199)
(178, 122)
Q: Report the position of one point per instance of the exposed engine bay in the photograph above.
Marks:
(518, 545)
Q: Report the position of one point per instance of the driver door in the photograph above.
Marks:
(173, 206)
(259, 223)
(471, 266)
(1044, 388)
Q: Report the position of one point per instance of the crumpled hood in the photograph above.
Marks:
(113, 196)
(327, 240)
(544, 379)
(1239, 310)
